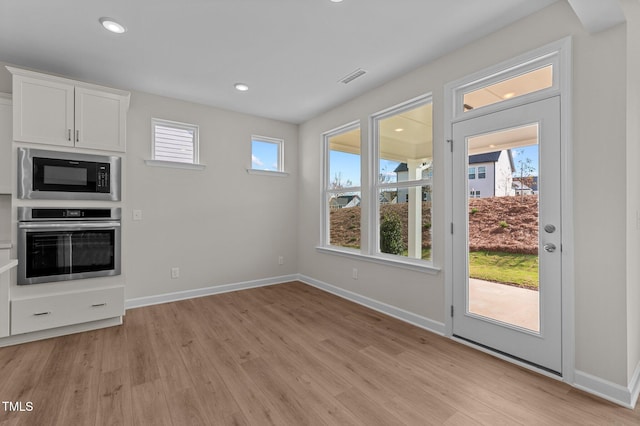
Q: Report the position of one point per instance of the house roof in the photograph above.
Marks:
(402, 167)
(489, 157)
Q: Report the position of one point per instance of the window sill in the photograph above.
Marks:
(174, 165)
(397, 263)
(267, 173)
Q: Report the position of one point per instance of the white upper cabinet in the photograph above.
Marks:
(5, 143)
(57, 111)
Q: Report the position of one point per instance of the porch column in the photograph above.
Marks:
(415, 211)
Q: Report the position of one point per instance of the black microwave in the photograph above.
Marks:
(57, 175)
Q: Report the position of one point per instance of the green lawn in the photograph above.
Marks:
(508, 268)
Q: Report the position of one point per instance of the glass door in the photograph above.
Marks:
(507, 257)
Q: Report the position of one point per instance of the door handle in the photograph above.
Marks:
(549, 248)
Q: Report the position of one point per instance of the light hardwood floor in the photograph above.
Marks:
(285, 355)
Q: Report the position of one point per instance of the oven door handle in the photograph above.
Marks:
(66, 226)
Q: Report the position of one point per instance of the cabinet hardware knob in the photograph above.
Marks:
(39, 314)
(77, 135)
(97, 305)
(69, 135)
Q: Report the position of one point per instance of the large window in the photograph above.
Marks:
(342, 192)
(403, 147)
(396, 194)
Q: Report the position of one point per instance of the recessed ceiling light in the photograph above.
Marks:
(336, 1)
(399, 129)
(111, 25)
(492, 146)
(241, 87)
(508, 95)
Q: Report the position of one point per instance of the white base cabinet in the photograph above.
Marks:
(57, 111)
(58, 310)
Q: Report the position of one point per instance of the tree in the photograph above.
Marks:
(391, 234)
(336, 183)
(525, 171)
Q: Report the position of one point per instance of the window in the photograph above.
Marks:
(474, 194)
(472, 172)
(342, 192)
(267, 154)
(403, 146)
(397, 197)
(509, 88)
(482, 172)
(175, 142)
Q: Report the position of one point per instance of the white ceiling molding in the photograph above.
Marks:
(598, 15)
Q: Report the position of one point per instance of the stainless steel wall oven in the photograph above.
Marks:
(58, 244)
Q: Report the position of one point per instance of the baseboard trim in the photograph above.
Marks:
(625, 396)
(392, 311)
(207, 291)
(634, 386)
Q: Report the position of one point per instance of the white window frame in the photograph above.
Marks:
(326, 178)
(511, 69)
(483, 172)
(376, 186)
(280, 157)
(195, 165)
(369, 237)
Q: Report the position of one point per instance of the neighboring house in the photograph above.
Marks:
(344, 201)
(490, 174)
(522, 189)
(402, 175)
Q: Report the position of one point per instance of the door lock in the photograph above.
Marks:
(549, 248)
(549, 228)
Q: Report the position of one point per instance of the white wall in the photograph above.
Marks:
(632, 12)
(599, 133)
(219, 226)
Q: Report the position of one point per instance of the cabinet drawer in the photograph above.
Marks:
(40, 313)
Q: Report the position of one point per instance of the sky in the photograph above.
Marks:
(264, 156)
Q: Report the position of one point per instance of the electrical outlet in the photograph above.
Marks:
(175, 273)
(354, 273)
(280, 260)
(137, 215)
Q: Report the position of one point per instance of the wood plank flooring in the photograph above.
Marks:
(282, 355)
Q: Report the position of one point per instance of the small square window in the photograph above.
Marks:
(472, 172)
(175, 142)
(482, 172)
(267, 154)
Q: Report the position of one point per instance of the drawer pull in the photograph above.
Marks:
(98, 305)
(39, 314)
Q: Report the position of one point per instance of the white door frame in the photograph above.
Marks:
(560, 53)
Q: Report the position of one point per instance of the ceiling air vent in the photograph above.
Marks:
(352, 76)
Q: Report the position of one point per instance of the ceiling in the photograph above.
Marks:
(291, 53)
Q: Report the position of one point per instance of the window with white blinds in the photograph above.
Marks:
(175, 142)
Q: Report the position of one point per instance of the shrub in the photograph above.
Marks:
(391, 234)
(474, 210)
(503, 224)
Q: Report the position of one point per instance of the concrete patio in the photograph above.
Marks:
(513, 305)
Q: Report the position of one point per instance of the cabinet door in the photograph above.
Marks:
(6, 109)
(100, 119)
(42, 111)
